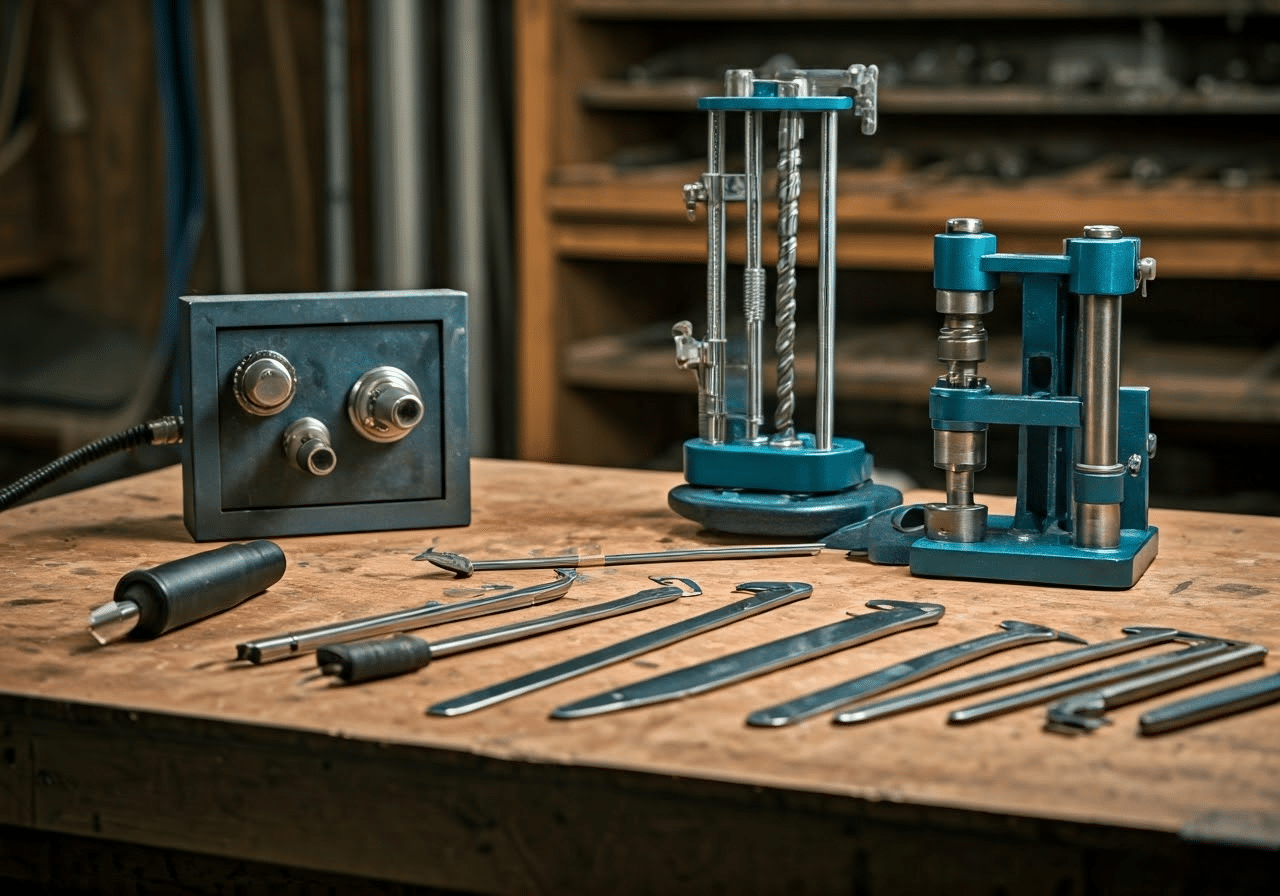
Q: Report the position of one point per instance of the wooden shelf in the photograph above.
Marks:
(681, 95)
(896, 364)
(607, 251)
(771, 10)
(887, 217)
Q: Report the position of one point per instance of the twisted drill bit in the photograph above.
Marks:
(785, 305)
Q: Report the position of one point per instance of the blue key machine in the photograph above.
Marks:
(1084, 441)
(741, 478)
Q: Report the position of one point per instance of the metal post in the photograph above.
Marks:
(826, 286)
(1098, 372)
(715, 342)
(753, 282)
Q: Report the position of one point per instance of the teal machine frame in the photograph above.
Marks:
(1084, 441)
(740, 478)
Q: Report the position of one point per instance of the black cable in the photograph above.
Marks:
(161, 431)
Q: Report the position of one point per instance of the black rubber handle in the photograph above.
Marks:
(193, 588)
(367, 660)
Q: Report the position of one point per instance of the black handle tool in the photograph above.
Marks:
(366, 660)
(150, 602)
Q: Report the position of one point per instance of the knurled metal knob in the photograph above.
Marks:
(264, 383)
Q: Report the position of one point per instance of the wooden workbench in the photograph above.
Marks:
(170, 746)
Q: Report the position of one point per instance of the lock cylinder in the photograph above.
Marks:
(264, 383)
(385, 404)
(307, 447)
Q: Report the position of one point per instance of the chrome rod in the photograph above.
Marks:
(462, 566)
(296, 643)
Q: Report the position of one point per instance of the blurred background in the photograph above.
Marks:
(532, 153)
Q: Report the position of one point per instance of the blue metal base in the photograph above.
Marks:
(781, 515)
(1041, 559)
(768, 468)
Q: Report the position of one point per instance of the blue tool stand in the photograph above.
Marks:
(740, 478)
(1084, 442)
(760, 489)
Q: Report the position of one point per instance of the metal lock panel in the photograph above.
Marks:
(281, 405)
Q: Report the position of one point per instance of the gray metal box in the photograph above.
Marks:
(237, 479)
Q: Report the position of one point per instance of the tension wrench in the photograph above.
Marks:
(1089, 681)
(1014, 634)
(764, 596)
(278, 647)
(1137, 637)
(891, 616)
(462, 567)
(1082, 713)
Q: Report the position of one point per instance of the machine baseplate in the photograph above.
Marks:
(1050, 559)
(781, 515)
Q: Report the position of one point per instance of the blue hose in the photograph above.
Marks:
(184, 167)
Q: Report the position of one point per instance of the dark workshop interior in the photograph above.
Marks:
(1164, 125)
(532, 154)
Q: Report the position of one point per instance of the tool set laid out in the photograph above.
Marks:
(152, 602)
(1080, 519)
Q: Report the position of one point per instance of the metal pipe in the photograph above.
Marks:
(400, 195)
(1098, 377)
(715, 343)
(753, 282)
(826, 286)
(340, 263)
(469, 152)
(222, 148)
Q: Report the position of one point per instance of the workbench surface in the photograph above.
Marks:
(172, 744)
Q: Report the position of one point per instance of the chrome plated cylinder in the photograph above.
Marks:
(826, 373)
(753, 281)
(716, 427)
(1098, 385)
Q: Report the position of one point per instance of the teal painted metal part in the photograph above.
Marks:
(1015, 263)
(1006, 555)
(803, 470)
(956, 262)
(775, 103)
(1103, 267)
(781, 515)
(1035, 544)
(949, 406)
(1098, 488)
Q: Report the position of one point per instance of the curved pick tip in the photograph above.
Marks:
(1149, 630)
(760, 587)
(694, 588)
(457, 564)
(885, 604)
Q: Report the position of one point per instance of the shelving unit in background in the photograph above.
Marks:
(1039, 117)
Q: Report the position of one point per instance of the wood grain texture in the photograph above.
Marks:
(170, 743)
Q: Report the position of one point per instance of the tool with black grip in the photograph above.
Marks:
(291, 644)
(150, 602)
(368, 660)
